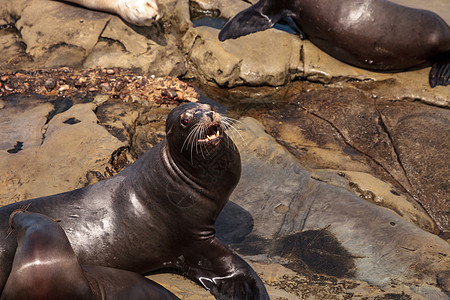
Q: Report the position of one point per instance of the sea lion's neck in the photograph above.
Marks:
(216, 171)
(178, 170)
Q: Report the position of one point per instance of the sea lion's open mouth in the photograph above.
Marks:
(213, 135)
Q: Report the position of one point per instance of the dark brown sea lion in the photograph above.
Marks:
(45, 267)
(159, 212)
(371, 34)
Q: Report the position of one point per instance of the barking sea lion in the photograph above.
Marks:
(159, 212)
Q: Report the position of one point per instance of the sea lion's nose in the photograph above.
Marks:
(210, 115)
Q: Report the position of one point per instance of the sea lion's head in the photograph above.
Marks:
(194, 128)
(199, 147)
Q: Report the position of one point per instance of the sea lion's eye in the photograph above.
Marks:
(184, 122)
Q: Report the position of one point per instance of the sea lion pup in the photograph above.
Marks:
(45, 267)
(371, 34)
(138, 12)
(159, 212)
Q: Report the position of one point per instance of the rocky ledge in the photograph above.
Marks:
(302, 231)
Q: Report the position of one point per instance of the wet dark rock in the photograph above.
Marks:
(120, 159)
(150, 129)
(17, 147)
(71, 121)
(60, 105)
(343, 129)
(310, 251)
(140, 126)
(418, 132)
(319, 250)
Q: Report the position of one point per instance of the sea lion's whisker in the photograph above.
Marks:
(204, 134)
(186, 140)
(191, 133)
(228, 123)
(193, 140)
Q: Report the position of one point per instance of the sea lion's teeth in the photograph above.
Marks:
(210, 137)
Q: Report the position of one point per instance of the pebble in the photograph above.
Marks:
(50, 84)
(169, 93)
(21, 75)
(119, 85)
(106, 86)
(63, 88)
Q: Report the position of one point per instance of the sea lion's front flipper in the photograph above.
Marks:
(251, 20)
(45, 266)
(223, 273)
(440, 73)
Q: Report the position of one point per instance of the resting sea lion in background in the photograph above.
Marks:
(45, 267)
(138, 12)
(159, 212)
(371, 34)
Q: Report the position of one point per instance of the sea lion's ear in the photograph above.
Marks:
(169, 132)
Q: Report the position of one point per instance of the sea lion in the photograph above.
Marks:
(159, 212)
(371, 34)
(138, 12)
(45, 267)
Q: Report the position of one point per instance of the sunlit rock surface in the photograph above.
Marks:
(350, 139)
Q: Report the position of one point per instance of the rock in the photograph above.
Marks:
(284, 201)
(376, 191)
(283, 283)
(343, 129)
(61, 28)
(55, 147)
(281, 214)
(417, 131)
(73, 36)
(248, 61)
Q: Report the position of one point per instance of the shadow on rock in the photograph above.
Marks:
(234, 224)
(316, 251)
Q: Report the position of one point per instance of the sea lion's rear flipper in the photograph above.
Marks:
(440, 73)
(44, 266)
(251, 20)
(223, 273)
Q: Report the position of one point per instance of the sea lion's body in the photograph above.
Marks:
(372, 34)
(45, 267)
(157, 213)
